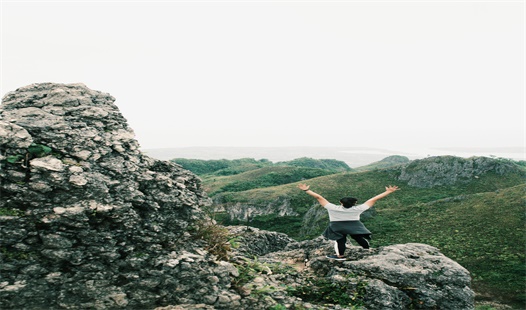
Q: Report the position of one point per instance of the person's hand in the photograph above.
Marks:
(391, 188)
(303, 186)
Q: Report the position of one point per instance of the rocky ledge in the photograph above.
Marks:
(89, 222)
(403, 276)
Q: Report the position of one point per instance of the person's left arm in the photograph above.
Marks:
(306, 188)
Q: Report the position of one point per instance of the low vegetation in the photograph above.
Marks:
(217, 239)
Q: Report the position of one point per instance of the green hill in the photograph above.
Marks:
(221, 166)
(387, 162)
(259, 178)
(244, 174)
(325, 164)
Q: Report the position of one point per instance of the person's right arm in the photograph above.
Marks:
(388, 190)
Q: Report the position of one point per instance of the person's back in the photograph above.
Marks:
(340, 213)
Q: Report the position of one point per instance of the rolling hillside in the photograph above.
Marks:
(247, 173)
(260, 178)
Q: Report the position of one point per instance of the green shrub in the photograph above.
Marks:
(218, 240)
(221, 166)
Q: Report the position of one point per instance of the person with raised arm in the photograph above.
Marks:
(345, 219)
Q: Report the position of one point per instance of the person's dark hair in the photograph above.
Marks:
(348, 202)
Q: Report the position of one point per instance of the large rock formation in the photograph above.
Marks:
(448, 170)
(89, 222)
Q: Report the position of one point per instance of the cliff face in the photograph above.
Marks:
(89, 222)
(243, 212)
(448, 170)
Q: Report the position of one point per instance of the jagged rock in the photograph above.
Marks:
(93, 223)
(89, 222)
(244, 212)
(256, 242)
(408, 275)
(447, 170)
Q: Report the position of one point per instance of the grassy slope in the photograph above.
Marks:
(364, 185)
(260, 177)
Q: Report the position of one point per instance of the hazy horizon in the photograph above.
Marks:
(353, 156)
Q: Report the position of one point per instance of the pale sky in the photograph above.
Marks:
(386, 74)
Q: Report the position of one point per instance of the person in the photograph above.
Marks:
(345, 219)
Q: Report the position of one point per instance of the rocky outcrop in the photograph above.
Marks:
(89, 222)
(448, 170)
(246, 211)
(314, 221)
(255, 242)
(403, 276)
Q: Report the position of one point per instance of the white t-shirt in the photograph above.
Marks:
(339, 213)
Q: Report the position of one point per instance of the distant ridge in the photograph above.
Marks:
(352, 156)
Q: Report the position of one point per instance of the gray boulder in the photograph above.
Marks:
(255, 242)
(406, 276)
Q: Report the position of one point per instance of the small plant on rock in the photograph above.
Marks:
(11, 212)
(38, 150)
(216, 237)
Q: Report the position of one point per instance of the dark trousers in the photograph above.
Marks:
(363, 241)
